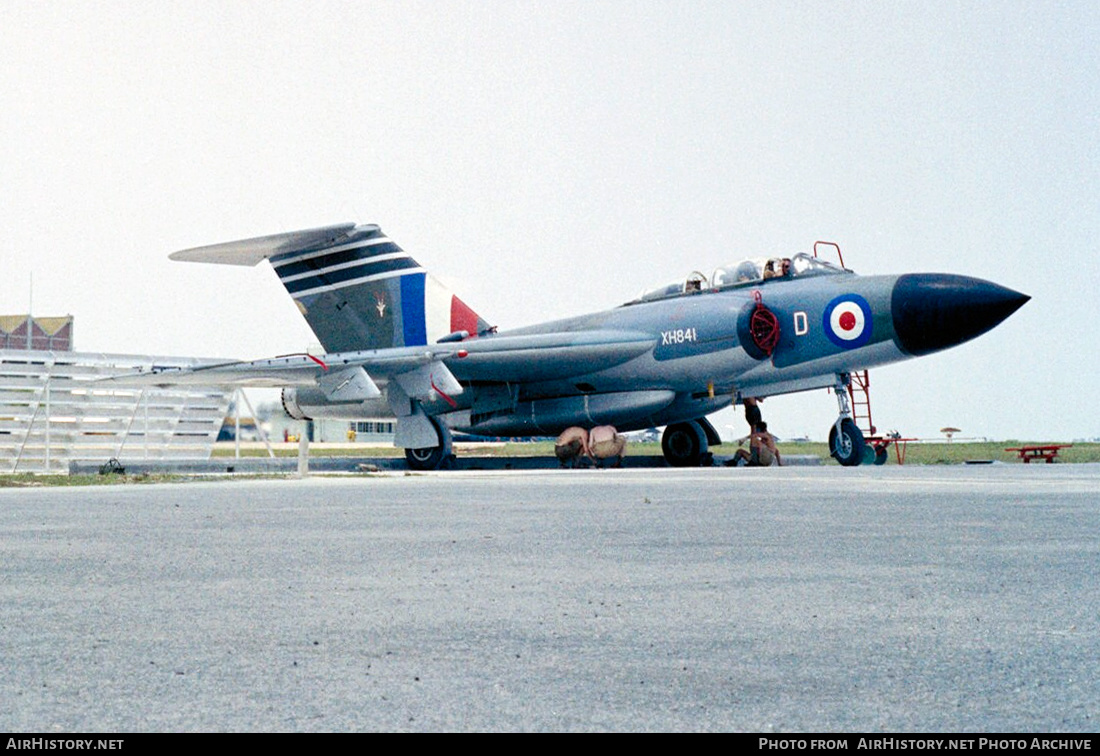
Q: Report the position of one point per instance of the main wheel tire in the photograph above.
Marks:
(430, 457)
(684, 444)
(847, 447)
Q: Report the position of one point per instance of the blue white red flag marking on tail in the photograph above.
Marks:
(848, 321)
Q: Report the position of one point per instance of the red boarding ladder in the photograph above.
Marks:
(859, 392)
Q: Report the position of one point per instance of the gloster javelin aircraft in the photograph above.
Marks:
(399, 344)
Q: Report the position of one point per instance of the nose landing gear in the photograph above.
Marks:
(846, 444)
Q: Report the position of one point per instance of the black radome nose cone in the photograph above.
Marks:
(934, 311)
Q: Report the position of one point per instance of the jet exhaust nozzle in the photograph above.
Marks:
(934, 311)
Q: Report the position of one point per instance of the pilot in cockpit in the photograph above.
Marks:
(777, 268)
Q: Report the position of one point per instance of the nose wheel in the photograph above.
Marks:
(846, 444)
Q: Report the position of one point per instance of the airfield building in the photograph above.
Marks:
(39, 334)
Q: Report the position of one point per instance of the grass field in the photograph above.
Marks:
(30, 480)
(954, 453)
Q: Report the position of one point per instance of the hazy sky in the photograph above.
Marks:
(552, 158)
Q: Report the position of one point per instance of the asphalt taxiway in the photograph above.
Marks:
(921, 599)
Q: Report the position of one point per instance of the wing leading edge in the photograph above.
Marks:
(420, 371)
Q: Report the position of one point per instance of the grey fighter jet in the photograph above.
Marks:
(400, 344)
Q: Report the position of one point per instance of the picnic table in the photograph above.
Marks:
(1048, 452)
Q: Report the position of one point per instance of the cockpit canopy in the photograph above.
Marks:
(752, 271)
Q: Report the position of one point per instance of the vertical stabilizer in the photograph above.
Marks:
(355, 287)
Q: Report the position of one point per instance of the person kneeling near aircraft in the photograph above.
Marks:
(763, 451)
(571, 446)
(605, 442)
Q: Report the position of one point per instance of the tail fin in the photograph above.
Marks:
(356, 288)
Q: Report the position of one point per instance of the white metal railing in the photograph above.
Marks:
(54, 410)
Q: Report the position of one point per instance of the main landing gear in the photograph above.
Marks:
(846, 444)
(686, 444)
(432, 457)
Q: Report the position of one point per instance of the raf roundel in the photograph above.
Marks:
(848, 321)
